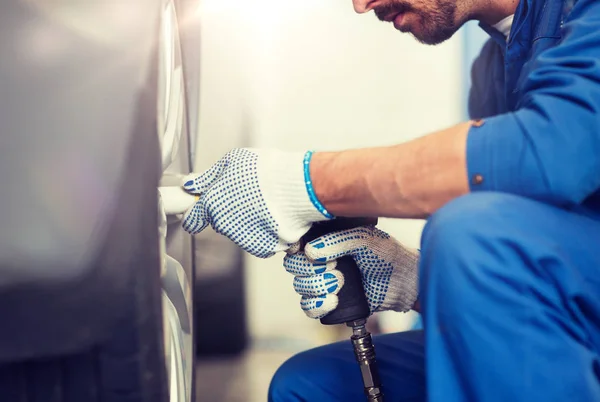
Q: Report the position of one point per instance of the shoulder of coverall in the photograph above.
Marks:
(486, 95)
(498, 71)
(548, 146)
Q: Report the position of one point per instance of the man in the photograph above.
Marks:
(509, 267)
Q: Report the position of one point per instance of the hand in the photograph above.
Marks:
(389, 271)
(257, 198)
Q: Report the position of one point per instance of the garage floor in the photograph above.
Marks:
(246, 378)
(238, 379)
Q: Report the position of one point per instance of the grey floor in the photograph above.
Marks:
(240, 379)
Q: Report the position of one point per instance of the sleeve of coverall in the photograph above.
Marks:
(549, 149)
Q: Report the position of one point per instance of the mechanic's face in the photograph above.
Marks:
(430, 21)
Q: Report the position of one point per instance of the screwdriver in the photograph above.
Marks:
(353, 308)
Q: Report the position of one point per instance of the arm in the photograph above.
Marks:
(410, 180)
(548, 150)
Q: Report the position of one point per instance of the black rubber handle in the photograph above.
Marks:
(352, 300)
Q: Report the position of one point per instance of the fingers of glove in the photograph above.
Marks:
(319, 307)
(320, 284)
(195, 183)
(294, 248)
(338, 244)
(193, 220)
(299, 265)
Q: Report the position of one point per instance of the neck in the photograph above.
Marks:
(493, 11)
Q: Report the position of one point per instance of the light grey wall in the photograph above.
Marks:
(313, 74)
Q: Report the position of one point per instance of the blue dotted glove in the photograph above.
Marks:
(257, 198)
(389, 271)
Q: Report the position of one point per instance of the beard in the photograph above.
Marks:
(436, 22)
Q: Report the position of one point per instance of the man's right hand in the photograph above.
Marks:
(256, 197)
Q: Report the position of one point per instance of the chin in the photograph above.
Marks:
(433, 38)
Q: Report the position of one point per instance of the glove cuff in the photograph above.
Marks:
(403, 288)
(281, 176)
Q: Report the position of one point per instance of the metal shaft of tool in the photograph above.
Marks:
(353, 307)
(364, 351)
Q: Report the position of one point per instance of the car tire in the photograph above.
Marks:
(128, 365)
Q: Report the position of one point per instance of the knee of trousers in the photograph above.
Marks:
(466, 251)
(296, 379)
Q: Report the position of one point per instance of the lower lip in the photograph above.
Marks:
(399, 20)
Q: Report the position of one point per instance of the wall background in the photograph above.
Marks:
(315, 75)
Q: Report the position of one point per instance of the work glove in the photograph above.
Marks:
(389, 270)
(257, 198)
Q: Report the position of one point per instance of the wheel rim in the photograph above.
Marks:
(171, 94)
(177, 317)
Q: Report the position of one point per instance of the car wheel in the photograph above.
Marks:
(127, 364)
(120, 328)
(177, 270)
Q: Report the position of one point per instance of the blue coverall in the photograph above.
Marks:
(510, 274)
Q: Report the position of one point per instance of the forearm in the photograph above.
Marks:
(410, 180)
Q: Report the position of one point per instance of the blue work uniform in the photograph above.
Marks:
(509, 274)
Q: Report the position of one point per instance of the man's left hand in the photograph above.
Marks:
(389, 270)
